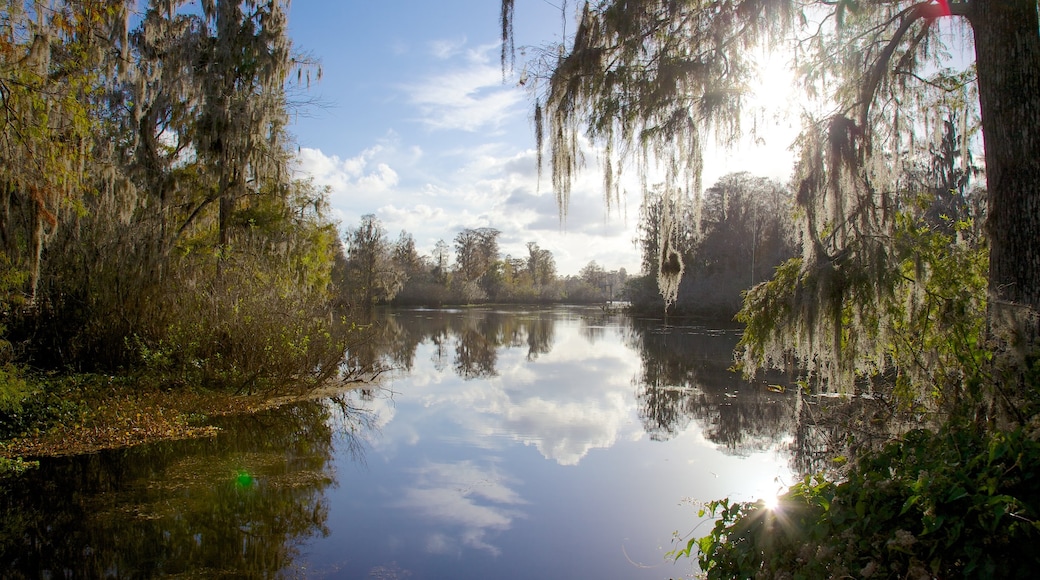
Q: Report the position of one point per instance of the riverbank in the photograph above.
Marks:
(95, 413)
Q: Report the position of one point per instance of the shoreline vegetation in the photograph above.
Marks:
(101, 412)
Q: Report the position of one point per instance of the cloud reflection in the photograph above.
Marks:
(574, 397)
(469, 502)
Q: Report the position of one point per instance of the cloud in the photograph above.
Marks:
(560, 416)
(469, 96)
(444, 49)
(574, 399)
(340, 173)
(380, 180)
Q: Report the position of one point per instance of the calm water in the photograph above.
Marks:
(555, 443)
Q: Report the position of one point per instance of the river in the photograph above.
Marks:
(546, 443)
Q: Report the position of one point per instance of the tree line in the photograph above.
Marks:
(743, 229)
(471, 271)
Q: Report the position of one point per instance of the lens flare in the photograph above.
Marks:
(244, 479)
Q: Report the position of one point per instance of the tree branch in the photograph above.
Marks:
(910, 16)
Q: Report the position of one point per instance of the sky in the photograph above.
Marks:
(412, 122)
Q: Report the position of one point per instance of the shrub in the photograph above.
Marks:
(960, 502)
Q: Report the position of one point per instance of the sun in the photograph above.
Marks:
(774, 90)
(771, 502)
(770, 121)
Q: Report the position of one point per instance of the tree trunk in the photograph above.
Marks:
(1007, 51)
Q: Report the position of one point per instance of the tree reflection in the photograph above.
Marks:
(472, 338)
(475, 355)
(685, 376)
(831, 427)
(240, 504)
(684, 373)
(595, 322)
(541, 333)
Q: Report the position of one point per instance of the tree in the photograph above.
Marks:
(593, 275)
(441, 256)
(666, 76)
(406, 257)
(244, 60)
(373, 275)
(49, 55)
(138, 163)
(540, 265)
(476, 260)
(746, 229)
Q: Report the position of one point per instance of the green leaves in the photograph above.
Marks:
(917, 308)
(956, 503)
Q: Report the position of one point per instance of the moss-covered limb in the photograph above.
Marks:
(960, 502)
(912, 305)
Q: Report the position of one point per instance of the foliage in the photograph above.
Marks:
(744, 229)
(16, 466)
(46, 403)
(652, 82)
(924, 321)
(643, 295)
(49, 58)
(13, 388)
(960, 502)
(191, 258)
(269, 320)
(480, 274)
(373, 273)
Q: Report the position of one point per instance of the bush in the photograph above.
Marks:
(13, 388)
(959, 502)
(43, 405)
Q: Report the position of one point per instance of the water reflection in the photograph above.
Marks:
(686, 376)
(557, 443)
(466, 502)
(240, 505)
(683, 376)
(543, 443)
(472, 337)
(521, 381)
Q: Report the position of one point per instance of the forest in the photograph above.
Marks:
(152, 234)
(744, 232)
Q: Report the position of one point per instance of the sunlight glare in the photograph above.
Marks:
(774, 90)
(771, 123)
(771, 502)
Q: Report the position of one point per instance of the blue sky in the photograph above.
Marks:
(414, 124)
